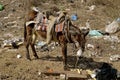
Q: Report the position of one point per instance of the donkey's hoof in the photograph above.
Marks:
(36, 57)
(75, 66)
(66, 68)
(28, 59)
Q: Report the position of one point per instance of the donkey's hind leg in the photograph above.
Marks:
(34, 51)
(33, 45)
(27, 49)
(28, 40)
(64, 53)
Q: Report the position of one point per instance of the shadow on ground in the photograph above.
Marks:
(83, 63)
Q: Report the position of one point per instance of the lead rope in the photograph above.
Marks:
(67, 30)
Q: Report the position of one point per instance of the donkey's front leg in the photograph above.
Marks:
(34, 37)
(34, 51)
(78, 56)
(64, 53)
(27, 49)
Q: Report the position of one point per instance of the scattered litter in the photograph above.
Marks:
(39, 73)
(40, 43)
(90, 46)
(92, 74)
(39, 46)
(74, 17)
(52, 47)
(76, 70)
(15, 42)
(79, 52)
(91, 8)
(112, 27)
(118, 75)
(106, 72)
(114, 57)
(94, 33)
(19, 56)
(118, 19)
(113, 47)
(112, 38)
(62, 76)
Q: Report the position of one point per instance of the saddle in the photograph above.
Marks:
(42, 25)
(59, 27)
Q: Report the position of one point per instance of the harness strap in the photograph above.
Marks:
(67, 28)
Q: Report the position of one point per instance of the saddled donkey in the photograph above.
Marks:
(68, 33)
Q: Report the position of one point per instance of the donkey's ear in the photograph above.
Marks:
(65, 13)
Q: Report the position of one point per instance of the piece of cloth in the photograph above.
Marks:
(106, 73)
(38, 19)
(59, 27)
(43, 24)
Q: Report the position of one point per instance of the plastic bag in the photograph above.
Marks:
(95, 33)
(113, 27)
(1, 7)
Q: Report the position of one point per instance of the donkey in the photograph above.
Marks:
(68, 34)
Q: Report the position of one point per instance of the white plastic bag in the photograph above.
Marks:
(112, 27)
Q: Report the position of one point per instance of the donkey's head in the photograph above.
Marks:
(79, 38)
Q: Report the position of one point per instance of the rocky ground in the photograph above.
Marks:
(98, 49)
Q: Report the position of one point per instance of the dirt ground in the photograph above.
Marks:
(11, 26)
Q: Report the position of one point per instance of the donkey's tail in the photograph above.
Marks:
(25, 32)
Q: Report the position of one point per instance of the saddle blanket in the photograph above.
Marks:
(59, 27)
(42, 28)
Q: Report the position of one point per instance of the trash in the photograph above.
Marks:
(19, 56)
(94, 33)
(90, 46)
(114, 57)
(76, 70)
(52, 47)
(1, 7)
(106, 72)
(40, 43)
(74, 17)
(118, 75)
(79, 52)
(113, 47)
(112, 38)
(92, 74)
(118, 19)
(91, 8)
(39, 73)
(62, 76)
(15, 43)
(112, 27)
